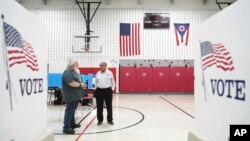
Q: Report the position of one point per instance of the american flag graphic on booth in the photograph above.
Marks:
(19, 51)
(215, 55)
(130, 39)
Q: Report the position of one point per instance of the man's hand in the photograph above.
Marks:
(77, 84)
(84, 85)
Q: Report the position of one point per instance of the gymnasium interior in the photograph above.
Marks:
(179, 67)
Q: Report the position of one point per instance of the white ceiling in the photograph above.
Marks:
(119, 4)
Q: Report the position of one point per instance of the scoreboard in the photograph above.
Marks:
(156, 20)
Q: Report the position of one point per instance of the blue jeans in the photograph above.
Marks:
(69, 116)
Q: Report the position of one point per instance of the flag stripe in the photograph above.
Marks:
(223, 58)
(136, 49)
(208, 62)
(139, 51)
(211, 64)
(127, 45)
(17, 62)
(124, 45)
(187, 36)
(15, 51)
(16, 57)
(225, 68)
(120, 45)
(133, 47)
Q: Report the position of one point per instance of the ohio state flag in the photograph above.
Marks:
(181, 30)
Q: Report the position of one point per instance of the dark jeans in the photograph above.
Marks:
(101, 96)
(69, 116)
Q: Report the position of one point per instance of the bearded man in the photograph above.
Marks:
(72, 89)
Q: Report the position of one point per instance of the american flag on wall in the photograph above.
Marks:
(215, 54)
(19, 51)
(130, 39)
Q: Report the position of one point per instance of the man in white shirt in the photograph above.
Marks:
(105, 85)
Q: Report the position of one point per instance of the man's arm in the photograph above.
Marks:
(76, 84)
(68, 78)
(96, 81)
(113, 82)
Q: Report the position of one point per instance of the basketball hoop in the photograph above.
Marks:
(86, 44)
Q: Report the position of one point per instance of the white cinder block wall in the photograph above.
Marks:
(155, 44)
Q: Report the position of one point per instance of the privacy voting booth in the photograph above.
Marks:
(23, 68)
(54, 80)
(222, 80)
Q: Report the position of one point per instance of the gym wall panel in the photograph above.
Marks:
(158, 79)
(190, 79)
(178, 79)
(128, 79)
(62, 24)
(144, 79)
(161, 79)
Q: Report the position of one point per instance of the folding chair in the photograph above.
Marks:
(76, 113)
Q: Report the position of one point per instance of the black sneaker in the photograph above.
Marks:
(111, 122)
(68, 131)
(99, 123)
(76, 126)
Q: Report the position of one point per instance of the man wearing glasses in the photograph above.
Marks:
(105, 85)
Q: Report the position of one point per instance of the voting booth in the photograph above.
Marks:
(23, 67)
(222, 80)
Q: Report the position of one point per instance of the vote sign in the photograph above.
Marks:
(23, 67)
(222, 73)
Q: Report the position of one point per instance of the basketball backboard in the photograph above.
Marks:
(86, 44)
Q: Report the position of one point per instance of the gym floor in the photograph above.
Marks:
(137, 117)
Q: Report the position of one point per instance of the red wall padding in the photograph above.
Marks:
(128, 83)
(190, 79)
(144, 79)
(178, 79)
(159, 79)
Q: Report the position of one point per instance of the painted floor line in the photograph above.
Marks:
(78, 123)
(86, 116)
(177, 107)
(113, 130)
(88, 125)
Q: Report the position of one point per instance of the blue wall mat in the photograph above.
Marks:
(54, 80)
(90, 80)
(84, 78)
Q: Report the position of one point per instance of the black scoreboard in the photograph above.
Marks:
(156, 20)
